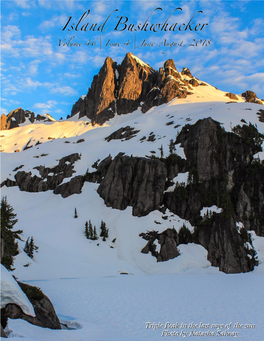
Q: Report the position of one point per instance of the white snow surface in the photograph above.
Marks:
(181, 178)
(10, 292)
(49, 117)
(239, 226)
(118, 307)
(139, 61)
(210, 210)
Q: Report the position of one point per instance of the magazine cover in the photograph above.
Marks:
(132, 170)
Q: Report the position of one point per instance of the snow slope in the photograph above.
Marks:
(38, 218)
(82, 277)
(118, 307)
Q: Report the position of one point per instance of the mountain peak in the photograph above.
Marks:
(120, 89)
(170, 64)
(18, 116)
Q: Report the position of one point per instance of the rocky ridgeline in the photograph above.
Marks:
(121, 89)
(19, 116)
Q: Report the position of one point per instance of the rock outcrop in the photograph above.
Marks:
(222, 172)
(19, 116)
(249, 96)
(261, 115)
(99, 104)
(49, 179)
(46, 316)
(2, 333)
(121, 89)
(228, 249)
(136, 182)
(125, 133)
(168, 241)
(74, 186)
(77, 106)
(44, 310)
(231, 96)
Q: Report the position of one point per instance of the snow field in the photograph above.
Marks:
(118, 307)
(64, 252)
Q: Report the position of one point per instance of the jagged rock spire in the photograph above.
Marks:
(121, 89)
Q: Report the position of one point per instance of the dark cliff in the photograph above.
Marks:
(222, 172)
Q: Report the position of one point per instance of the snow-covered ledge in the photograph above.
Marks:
(11, 292)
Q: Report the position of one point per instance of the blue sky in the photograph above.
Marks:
(39, 75)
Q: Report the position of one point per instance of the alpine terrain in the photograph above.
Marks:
(134, 209)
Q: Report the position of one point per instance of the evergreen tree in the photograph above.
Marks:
(102, 228)
(75, 213)
(30, 247)
(26, 248)
(104, 231)
(8, 236)
(90, 229)
(33, 247)
(172, 147)
(86, 231)
(95, 237)
(161, 151)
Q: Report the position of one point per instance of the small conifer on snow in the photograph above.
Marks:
(30, 247)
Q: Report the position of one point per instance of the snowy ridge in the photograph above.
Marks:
(139, 61)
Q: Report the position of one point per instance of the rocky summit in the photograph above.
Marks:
(121, 89)
(19, 116)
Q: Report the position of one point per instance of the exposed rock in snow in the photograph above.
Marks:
(250, 96)
(132, 181)
(231, 96)
(12, 293)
